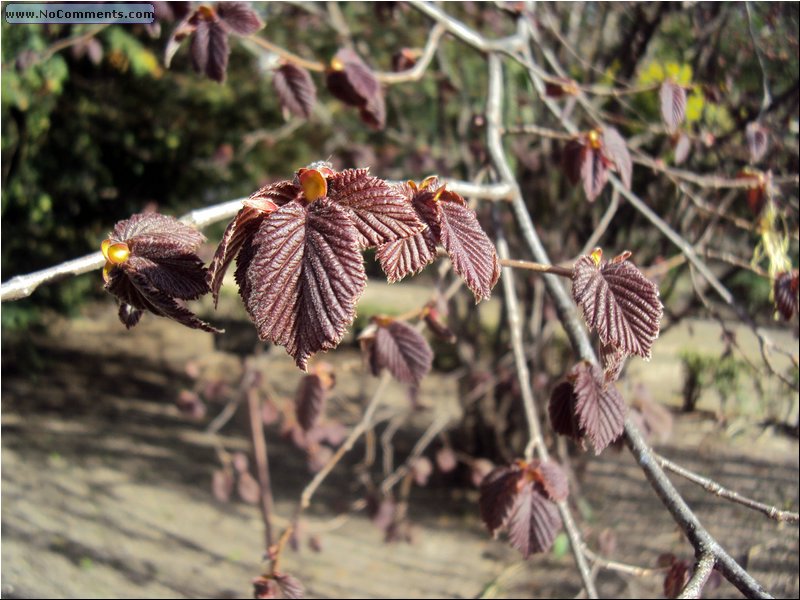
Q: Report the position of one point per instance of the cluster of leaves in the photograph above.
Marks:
(590, 156)
(520, 498)
(208, 30)
(623, 307)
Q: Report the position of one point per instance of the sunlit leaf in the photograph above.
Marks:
(498, 491)
(402, 350)
(615, 149)
(599, 407)
(301, 275)
(534, 521)
(593, 172)
(618, 301)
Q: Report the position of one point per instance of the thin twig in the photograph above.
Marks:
(538, 267)
(262, 461)
(702, 571)
(715, 488)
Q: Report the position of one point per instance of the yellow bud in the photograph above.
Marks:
(597, 256)
(313, 183)
(594, 138)
(104, 248)
(118, 253)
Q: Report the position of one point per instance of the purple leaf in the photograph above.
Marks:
(446, 459)
(599, 407)
(309, 401)
(407, 256)
(682, 148)
(618, 301)
(222, 485)
(553, 480)
(239, 17)
(402, 350)
(616, 150)
(471, 251)
(350, 80)
(498, 492)
(300, 277)
(594, 172)
(248, 489)
(534, 521)
(290, 587)
(296, 90)
(561, 409)
(571, 160)
(673, 105)
(378, 211)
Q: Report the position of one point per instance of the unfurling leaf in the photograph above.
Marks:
(300, 276)
(210, 49)
(350, 80)
(598, 405)
(785, 290)
(618, 301)
(400, 349)
(534, 522)
(561, 410)
(594, 172)
(757, 141)
(152, 264)
(295, 89)
(673, 105)
(552, 478)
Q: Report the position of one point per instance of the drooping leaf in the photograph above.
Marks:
(571, 159)
(379, 212)
(599, 407)
(676, 578)
(209, 46)
(561, 409)
(593, 173)
(182, 276)
(239, 18)
(471, 251)
(757, 141)
(435, 320)
(402, 350)
(618, 301)
(616, 150)
(673, 105)
(498, 491)
(407, 256)
(350, 80)
(300, 277)
(154, 235)
(785, 290)
(295, 89)
(309, 401)
(222, 484)
(534, 521)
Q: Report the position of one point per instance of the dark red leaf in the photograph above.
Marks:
(301, 276)
(290, 587)
(435, 322)
(350, 80)
(129, 315)
(571, 160)
(785, 290)
(378, 211)
(479, 469)
(673, 105)
(757, 141)
(265, 588)
(154, 235)
(239, 17)
(616, 150)
(553, 480)
(534, 521)
(471, 251)
(182, 277)
(618, 301)
(561, 409)
(599, 407)
(402, 350)
(594, 172)
(296, 90)
(498, 492)
(248, 489)
(309, 401)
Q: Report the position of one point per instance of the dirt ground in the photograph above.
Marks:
(106, 487)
